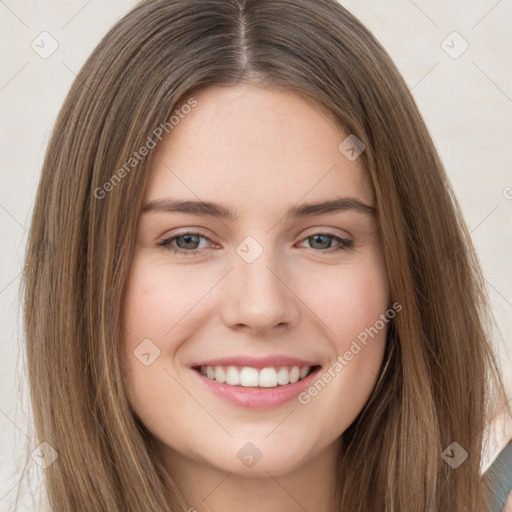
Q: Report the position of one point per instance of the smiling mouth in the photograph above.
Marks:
(246, 376)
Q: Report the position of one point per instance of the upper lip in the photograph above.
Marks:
(256, 362)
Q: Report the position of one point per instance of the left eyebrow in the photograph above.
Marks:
(333, 206)
(216, 210)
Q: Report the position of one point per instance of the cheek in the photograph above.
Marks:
(160, 310)
(159, 303)
(352, 302)
(150, 311)
(349, 300)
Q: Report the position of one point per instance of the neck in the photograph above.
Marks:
(209, 489)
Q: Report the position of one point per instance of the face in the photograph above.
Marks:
(261, 298)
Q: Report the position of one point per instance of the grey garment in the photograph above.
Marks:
(499, 477)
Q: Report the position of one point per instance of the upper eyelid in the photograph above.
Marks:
(187, 232)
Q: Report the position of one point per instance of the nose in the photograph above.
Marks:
(259, 297)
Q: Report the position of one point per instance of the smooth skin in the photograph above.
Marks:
(257, 152)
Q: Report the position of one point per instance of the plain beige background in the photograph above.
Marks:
(455, 56)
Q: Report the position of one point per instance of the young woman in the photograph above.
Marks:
(248, 284)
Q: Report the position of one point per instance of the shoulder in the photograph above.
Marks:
(499, 477)
(508, 504)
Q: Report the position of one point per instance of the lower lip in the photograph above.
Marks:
(258, 398)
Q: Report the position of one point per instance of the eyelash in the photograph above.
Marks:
(345, 244)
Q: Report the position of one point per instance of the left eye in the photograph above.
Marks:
(344, 243)
(191, 239)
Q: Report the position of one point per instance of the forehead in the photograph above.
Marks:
(250, 146)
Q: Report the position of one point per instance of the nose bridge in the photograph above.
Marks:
(258, 296)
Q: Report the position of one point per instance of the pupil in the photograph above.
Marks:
(187, 241)
(315, 237)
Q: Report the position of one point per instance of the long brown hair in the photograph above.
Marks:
(440, 377)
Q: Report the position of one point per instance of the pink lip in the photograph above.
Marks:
(258, 398)
(256, 362)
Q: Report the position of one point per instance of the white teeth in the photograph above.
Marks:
(294, 374)
(232, 376)
(247, 376)
(219, 374)
(283, 376)
(267, 378)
